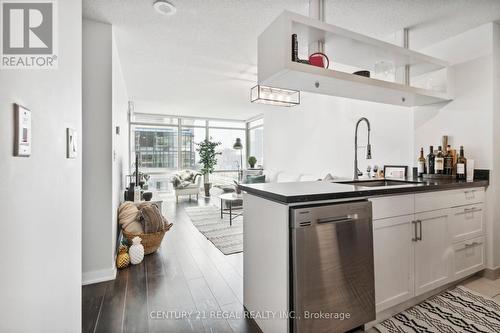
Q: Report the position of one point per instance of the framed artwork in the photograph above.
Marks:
(395, 171)
(22, 131)
(71, 143)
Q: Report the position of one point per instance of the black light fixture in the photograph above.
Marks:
(239, 146)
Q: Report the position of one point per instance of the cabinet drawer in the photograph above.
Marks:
(429, 201)
(398, 205)
(468, 257)
(467, 222)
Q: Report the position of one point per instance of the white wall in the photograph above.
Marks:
(105, 153)
(317, 137)
(470, 119)
(495, 176)
(466, 119)
(121, 140)
(40, 280)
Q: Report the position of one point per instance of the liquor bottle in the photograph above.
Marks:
(461, 165)
(439, 162)
(430, 161)
(448, 161)
(295, 48)
(421, 163)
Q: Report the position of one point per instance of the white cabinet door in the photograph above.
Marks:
(469, 257)
(433, 251)
(467, 222)
(393, 258)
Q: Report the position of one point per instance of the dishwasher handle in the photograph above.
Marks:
(338, 219)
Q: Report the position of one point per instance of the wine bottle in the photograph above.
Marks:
(295, 48)
(430, 161)
(461, 165)
(421, 163)
(439, 161)
(448, 161)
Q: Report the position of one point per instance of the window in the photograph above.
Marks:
(230, 158)
(256, 140)
(227, 124)
(190, 137)
(157, 147)
(256, 144)
(166, 144)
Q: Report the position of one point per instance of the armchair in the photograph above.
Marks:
(186, 183)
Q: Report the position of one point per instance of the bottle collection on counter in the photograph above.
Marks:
(442, 164)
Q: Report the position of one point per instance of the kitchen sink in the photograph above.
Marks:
(378, 182)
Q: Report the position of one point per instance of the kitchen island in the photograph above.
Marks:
(424, 234)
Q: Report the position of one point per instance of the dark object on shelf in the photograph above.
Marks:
(129, 192)
(137, 169)
(147, 196)
(319, 59)
(362, 73)
(437, 176)
(295, 48)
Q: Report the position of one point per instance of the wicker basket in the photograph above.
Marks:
(151, 242)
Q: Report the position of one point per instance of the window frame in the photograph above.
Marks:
(132, 124)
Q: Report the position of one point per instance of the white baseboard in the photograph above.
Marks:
(98, 276)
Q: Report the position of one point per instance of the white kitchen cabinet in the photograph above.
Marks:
(423, 241)
(393, 259)
(467, 222)
(429, 201)
(392, 206)
(433, 251)
(468, 257)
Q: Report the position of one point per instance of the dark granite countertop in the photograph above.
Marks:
(295, 192)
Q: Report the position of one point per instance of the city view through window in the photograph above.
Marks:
(167, 145)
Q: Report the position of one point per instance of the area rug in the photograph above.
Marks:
(228, 239)
(457, 310)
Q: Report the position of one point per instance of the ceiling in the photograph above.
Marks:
(202, 61)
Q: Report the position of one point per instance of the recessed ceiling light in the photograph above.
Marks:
(164, 7)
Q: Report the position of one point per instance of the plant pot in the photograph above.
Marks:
(252, 166)
(207, 187)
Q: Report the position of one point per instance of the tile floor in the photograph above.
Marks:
(484, 286)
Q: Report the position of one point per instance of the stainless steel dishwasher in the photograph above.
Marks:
(332, 280)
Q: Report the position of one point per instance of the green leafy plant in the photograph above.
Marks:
(208, 157)
(252, 160)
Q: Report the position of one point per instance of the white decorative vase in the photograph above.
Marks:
(136, 251)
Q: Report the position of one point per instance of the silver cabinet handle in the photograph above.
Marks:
(469, 194)
(415, 238)
(420, 228)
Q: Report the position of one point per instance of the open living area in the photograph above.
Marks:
(222, 166)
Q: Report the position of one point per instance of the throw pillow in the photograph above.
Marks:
(256, 179)
(128, 215)
(328, 178)
(151, 218)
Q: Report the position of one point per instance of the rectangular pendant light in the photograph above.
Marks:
(274, 96)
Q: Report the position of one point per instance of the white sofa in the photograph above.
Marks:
(285, 177)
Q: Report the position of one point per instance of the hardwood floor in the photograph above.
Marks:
(186, 286)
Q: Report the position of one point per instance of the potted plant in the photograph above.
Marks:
(208, 160)
(252, 161)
